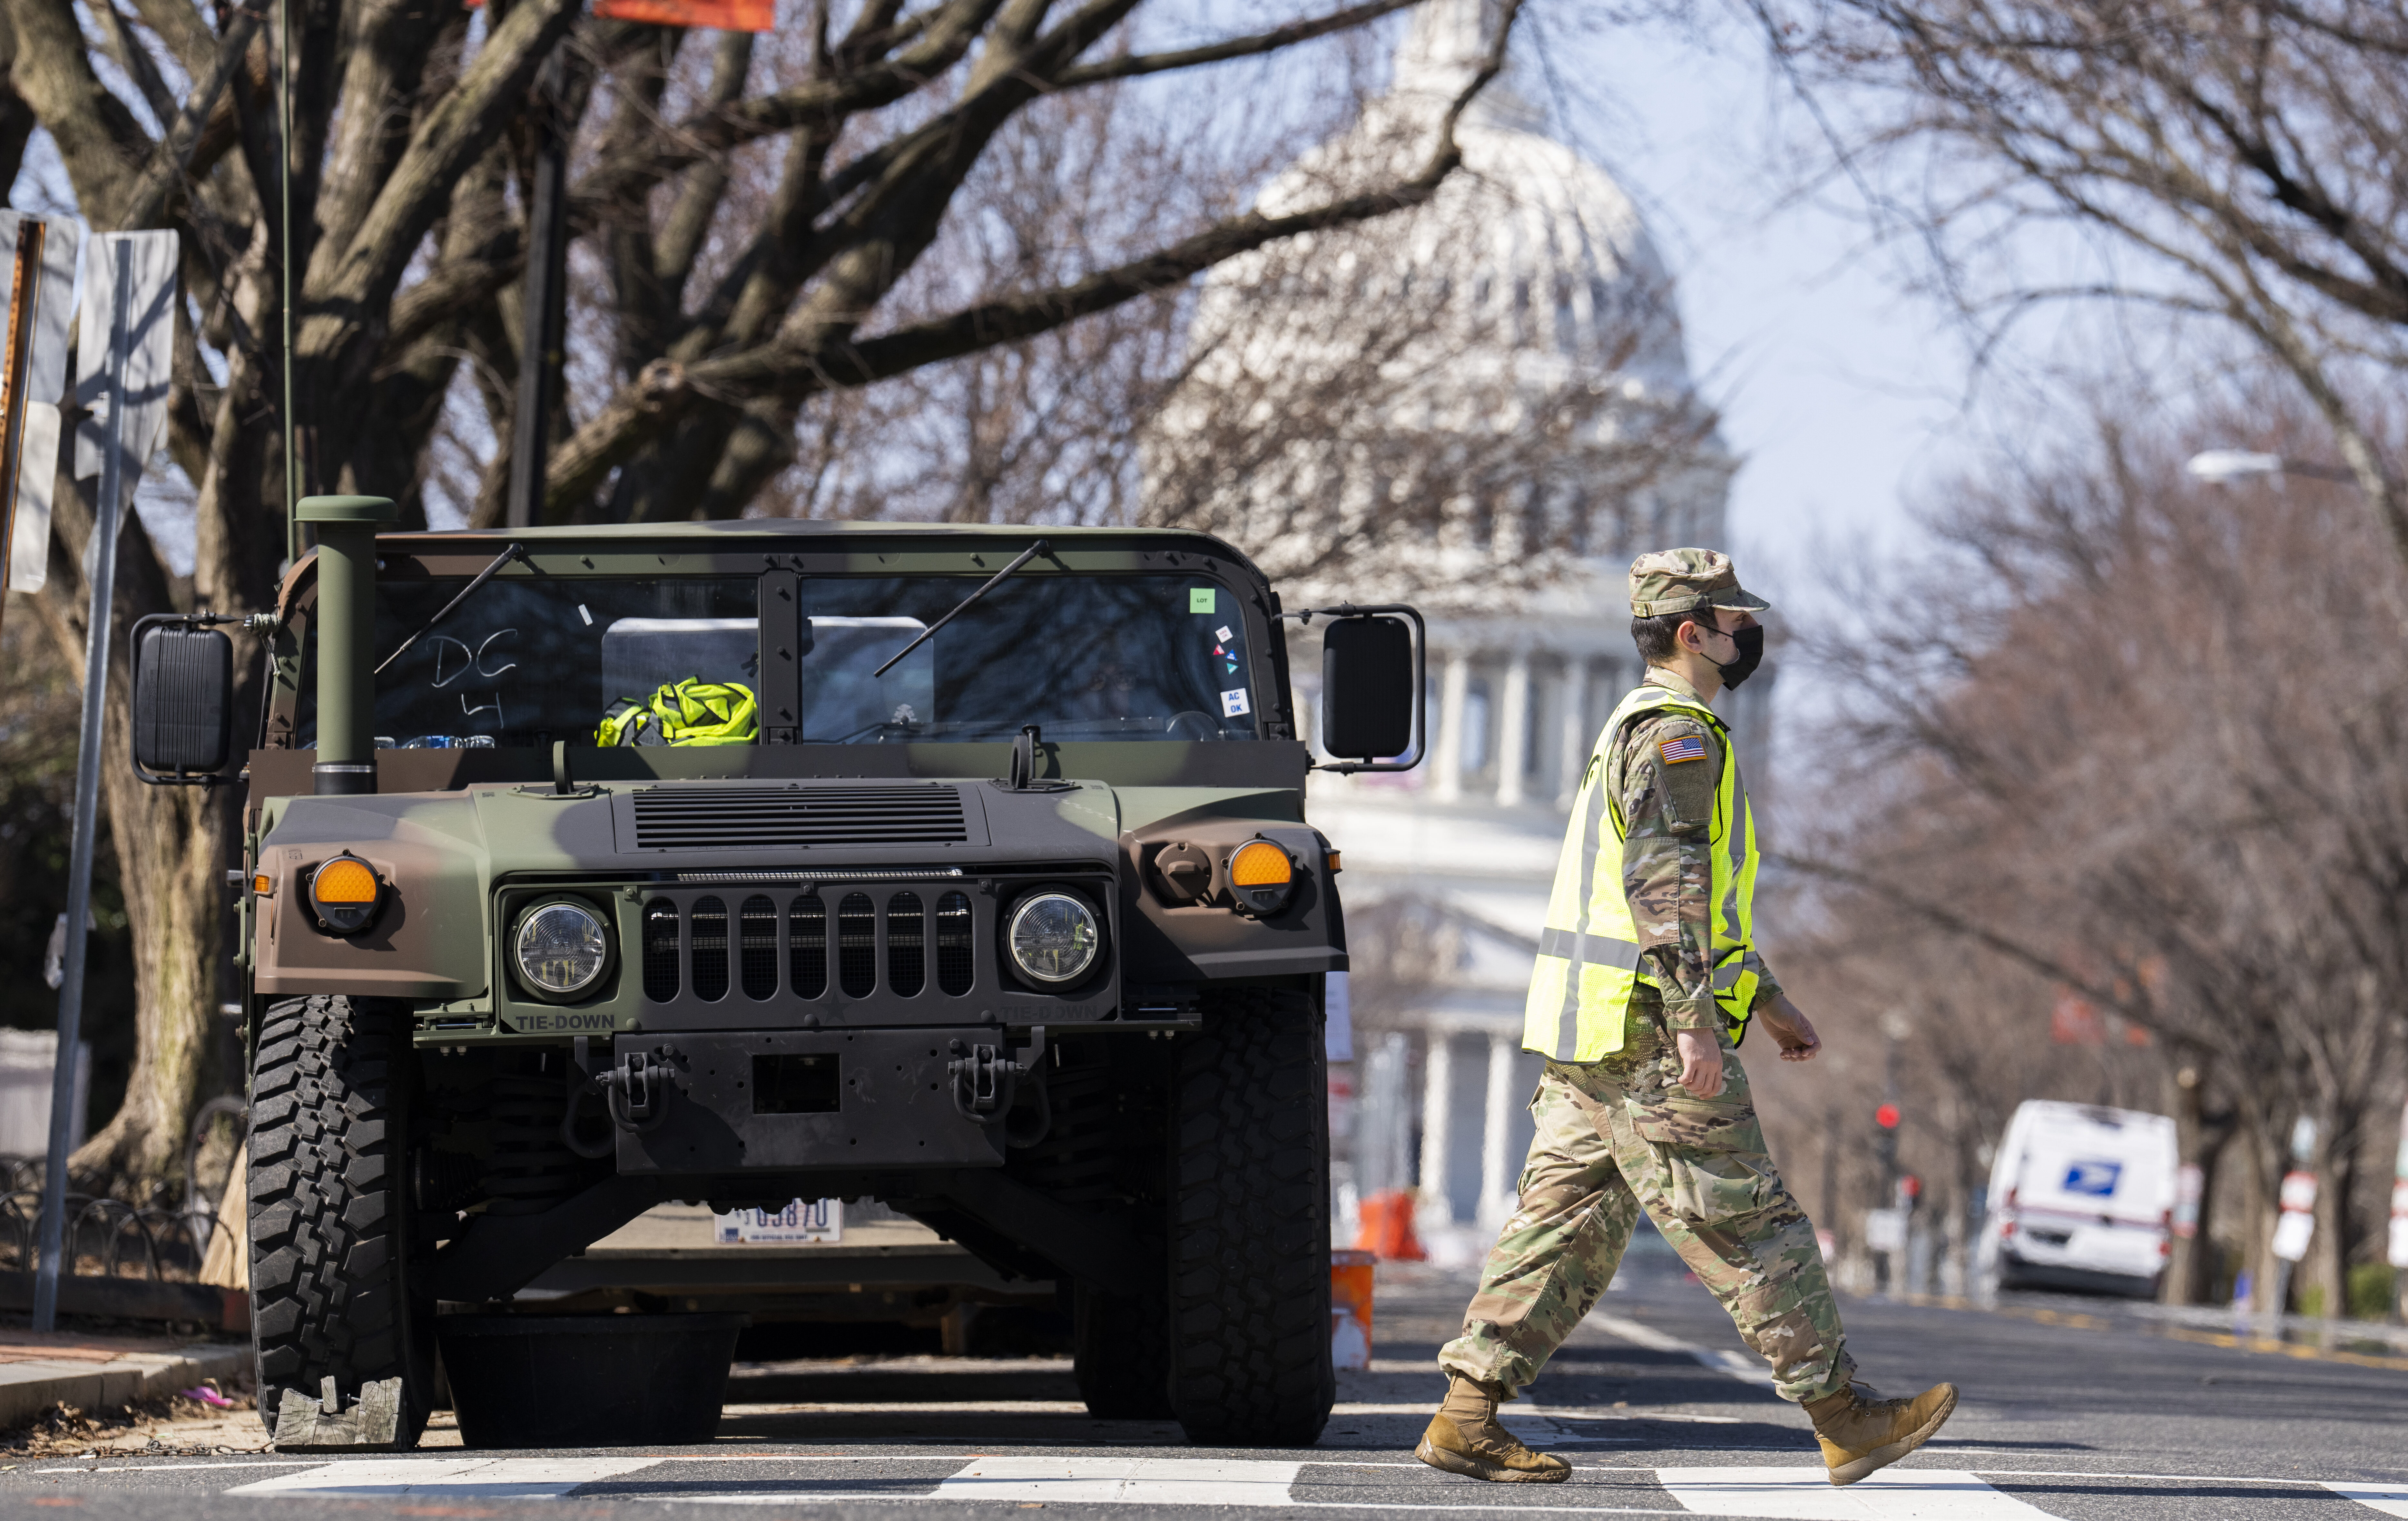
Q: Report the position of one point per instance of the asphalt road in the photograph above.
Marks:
(2070, 1410)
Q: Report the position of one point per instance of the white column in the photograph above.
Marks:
(1438, 1106)
(1514, 728)
(1454, 695)
(1498, 1169)
(1573, 740)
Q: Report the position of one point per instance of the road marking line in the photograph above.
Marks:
(2153, 1478)
(187, 1468)
(1569, 1412)
(1738, 1365)
(1131, 1481)
(489, 1478)
(2389, 1498)
(830, 1497)
(1804, 1494)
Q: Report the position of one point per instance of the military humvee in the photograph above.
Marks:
(963, 869)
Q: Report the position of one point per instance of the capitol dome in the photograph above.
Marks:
(1493, 380)
(1534, 246)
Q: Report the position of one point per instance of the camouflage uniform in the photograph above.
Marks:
(1619, 1135)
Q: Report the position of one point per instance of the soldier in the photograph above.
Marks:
(1646, 980)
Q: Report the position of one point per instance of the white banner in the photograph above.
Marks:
(50, 290)
(125, 345)
(2398, 1253)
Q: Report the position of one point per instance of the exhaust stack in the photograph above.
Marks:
(347, 530)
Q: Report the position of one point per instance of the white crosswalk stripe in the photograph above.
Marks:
(1791, 1493)
(1129, 1481)
(2389, 1498)
(1804, 1494)
(481, 1478)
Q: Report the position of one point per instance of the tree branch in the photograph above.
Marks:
(175, 152)
(1137, 65)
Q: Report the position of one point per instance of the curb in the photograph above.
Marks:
(28, 1388)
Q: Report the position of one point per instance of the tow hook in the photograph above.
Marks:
(640, 1080)
(986, 1081)
(634, 1093)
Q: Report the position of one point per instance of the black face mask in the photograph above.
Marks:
(1751, 655)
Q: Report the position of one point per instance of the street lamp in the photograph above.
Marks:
(2224, 466)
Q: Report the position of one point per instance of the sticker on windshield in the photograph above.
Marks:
(1222, 634)
(1200, 600)
(1233, 703)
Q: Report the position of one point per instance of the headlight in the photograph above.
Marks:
(1053, 938)
(345, 892)
(561, 948)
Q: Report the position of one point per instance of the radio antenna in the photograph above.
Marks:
(284, 218)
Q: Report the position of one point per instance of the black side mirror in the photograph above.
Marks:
(1373, 689)
(183, 701)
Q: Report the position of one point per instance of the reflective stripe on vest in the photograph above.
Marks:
(1589, 958)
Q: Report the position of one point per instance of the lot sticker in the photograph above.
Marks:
(1200, 600)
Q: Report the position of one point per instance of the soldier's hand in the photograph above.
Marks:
(1791, 1030)
(1701, 1062)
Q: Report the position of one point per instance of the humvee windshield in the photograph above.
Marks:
(531, 659)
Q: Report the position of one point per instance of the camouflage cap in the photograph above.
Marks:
(1678, 580)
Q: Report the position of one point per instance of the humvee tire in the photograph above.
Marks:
(1121, 1355)
(330, 1289)
(1250, 1225)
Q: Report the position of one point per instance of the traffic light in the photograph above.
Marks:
(1886, 1116)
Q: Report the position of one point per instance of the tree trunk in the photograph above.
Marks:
(169, 847)
(2327, 1267)
(2199, 1140)
(169, 851)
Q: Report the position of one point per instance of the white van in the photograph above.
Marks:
(2081, 1198)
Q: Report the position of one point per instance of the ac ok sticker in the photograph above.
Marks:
(1233, 703)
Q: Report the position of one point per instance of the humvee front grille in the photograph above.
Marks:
(764, 819)
(696, 961)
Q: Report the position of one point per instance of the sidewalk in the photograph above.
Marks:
(92, 1371)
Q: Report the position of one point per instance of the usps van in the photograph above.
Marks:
(2081, 1198)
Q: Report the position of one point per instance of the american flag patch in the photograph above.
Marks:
(1684, 747)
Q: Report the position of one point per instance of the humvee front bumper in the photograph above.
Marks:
(784, 1101)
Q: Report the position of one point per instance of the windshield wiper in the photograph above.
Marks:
(1043, 547)
(516, 551)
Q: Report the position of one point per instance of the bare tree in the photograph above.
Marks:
(1333, 405)
(408, 156)
(2141, 746)
(2241, 159)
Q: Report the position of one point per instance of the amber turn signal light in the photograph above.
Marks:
(1261, 876)
(345, 892)
(264, 885)
(1259, 863)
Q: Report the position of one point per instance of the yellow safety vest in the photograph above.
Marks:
(1589, 958)
(689, 712)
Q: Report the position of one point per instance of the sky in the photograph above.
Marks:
(1840, 388)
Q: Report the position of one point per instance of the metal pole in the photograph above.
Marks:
(87, 798)
(546, 305)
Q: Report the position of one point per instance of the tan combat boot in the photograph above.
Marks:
(1463, 1438)
(1861, 1431)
